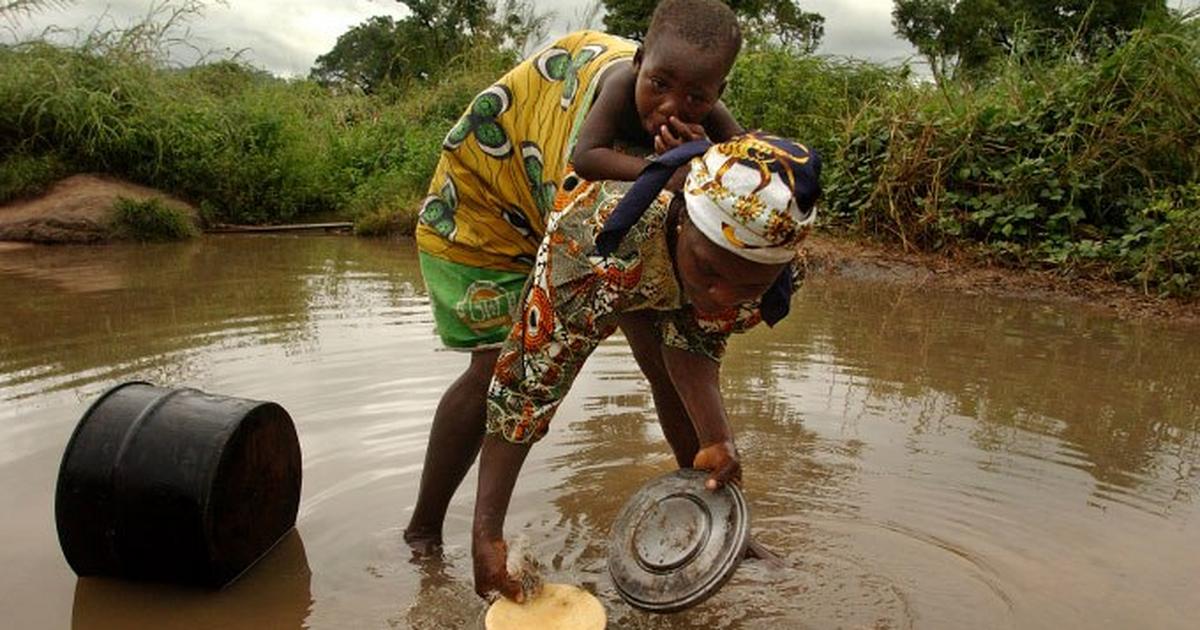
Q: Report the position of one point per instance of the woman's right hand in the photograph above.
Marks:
(722, 461)
(491, 570)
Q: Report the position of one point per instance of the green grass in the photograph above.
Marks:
(247, 147)
(1062, 164)
(23, 175)
(150, 220)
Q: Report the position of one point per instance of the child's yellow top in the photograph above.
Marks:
(503, 163)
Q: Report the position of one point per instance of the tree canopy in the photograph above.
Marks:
(969, 34)
(785, 20)
(383, 50)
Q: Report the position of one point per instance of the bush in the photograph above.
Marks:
(1162, 250)
(150, 220)
(23, 175)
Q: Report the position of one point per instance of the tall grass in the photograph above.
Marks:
(246, 146)
(150, 220)
(1064, 164)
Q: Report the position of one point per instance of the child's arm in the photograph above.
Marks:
(594, 157)
(696, 378)
(721, 125)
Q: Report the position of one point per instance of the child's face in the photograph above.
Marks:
(676, 78)
(715, 279)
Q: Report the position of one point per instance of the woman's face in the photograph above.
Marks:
(715, 279)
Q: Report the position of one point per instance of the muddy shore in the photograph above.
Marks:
(840, 255)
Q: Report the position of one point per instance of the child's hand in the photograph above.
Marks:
(721, 458)
(491, 570)
(675, 133)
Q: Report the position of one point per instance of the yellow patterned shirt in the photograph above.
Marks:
(503, 162)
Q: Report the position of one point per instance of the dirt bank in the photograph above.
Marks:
(75, 210)
(846, 257)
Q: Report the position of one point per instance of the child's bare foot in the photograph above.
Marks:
(423, 542)
(755, 550)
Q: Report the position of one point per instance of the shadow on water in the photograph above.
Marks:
(274, 593)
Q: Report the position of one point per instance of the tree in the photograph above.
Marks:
(783, 19)
(366, 56)
(386, 51)
(968, 34)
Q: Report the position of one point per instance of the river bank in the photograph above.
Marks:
(84, 208)
(849, 256)
(78, 209)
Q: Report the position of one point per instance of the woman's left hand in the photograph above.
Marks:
(721, 459)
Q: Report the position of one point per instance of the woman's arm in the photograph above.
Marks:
(697, 379)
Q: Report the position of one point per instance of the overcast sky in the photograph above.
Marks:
(286, 36)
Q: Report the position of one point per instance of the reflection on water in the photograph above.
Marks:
(274, 593)
(918, 460)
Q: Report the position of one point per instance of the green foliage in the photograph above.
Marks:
(378, 52)
(384, 52)
(1161, 250)
(1046, 164)
(23, 175)
(782, 21)
(246, 147)
(150, 220)
(1067, 162)
(805, 97)
(972, 34)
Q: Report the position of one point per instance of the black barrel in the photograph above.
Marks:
(176, 485)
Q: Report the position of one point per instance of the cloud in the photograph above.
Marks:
(286, 37)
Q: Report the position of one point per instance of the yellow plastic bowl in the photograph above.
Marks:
(557, 607)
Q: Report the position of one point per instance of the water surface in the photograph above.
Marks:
(920, 460)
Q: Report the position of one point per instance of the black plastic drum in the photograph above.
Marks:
(176, 485)
(675, 543)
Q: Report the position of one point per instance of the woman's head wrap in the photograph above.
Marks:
(755, 196)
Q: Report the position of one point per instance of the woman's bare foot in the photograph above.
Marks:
(755, 550)
(423, 543)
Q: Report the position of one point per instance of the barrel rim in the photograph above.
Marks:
(62, 464)
(231, 433)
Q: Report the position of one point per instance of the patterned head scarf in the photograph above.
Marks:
(755, 196)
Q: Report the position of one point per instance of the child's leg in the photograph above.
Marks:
(638, 327)
(454, 440)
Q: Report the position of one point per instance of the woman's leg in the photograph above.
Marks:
(454, 440)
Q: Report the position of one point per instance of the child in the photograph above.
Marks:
(504, 168)
(690, 268)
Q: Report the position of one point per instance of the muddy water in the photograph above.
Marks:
(919, 460)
